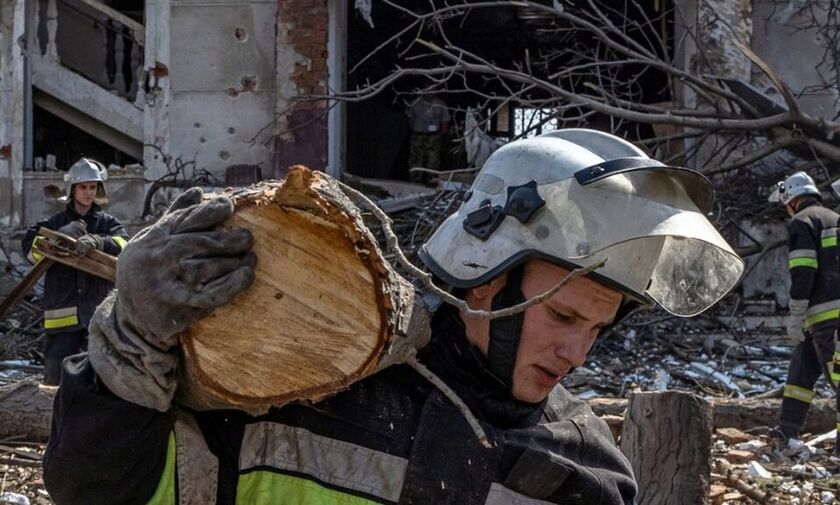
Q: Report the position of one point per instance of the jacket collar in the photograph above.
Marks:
(93, 212)
(465, 369)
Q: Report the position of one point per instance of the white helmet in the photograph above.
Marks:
(797, 184)
(575, 197)
(86, 170)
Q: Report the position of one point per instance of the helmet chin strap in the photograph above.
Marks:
(505, 332)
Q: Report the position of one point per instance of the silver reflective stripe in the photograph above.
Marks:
(330, 461)
(828, 232)
(59, 313)
(823, 307)
(198, 468)
(802, 253)
(500, 495)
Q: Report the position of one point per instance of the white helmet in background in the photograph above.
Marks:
(798, 184)
(86, 170)
(575, 197)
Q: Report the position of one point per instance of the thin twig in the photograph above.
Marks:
(426, 278)
(454, 398)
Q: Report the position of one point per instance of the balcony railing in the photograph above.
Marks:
(94, 40)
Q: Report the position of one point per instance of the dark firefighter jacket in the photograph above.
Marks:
(813, 263)
(70, 295)
(391, 438)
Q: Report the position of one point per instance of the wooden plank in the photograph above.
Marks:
(62, 249)
(23, 287)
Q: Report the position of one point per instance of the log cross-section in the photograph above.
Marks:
(326, 308)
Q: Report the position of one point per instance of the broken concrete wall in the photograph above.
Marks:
(222, 82)
(302, 27)
(722, 23)
(12, 20)
(794, 53)
(770, 276)
(126, 192)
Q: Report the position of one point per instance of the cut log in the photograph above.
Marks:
(743, 414)
(667, 437)
(326, 308)
(26, 410)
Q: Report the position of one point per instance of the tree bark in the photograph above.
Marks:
(326, 308)
(667, 436)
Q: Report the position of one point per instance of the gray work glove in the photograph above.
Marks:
(87, 243)
(168, 276)
(796, 320)
(74, 229)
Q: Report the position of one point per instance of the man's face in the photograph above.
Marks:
(85, 193)
(558, 333)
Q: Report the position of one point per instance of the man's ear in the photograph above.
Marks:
(481, 297)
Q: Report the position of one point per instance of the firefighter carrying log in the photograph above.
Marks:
(70, 295)
(814, 300)
(539, 208)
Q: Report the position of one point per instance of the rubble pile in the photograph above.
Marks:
(756, 468)
(715, 354)
(21, 479)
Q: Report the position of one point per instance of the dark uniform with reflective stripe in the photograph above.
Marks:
(391, 438)
(70, 295)
(815, 276)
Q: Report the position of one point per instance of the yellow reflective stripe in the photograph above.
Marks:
(165, 492)
(834, 369)
(798, 393)
(829, 241)
(119, 241)
(269, 488)
(61, 322)
(34, 256)
(803, 262)
(821, 317)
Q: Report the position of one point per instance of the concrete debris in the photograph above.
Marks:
(756, 470)
(13, 499)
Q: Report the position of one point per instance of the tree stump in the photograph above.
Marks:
(667, 436)
(326, 308)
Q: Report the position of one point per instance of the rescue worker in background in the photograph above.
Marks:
(429, 118)
(814, 299)
(70, 295)
(539, 208)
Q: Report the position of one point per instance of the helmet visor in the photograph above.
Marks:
(656, 241)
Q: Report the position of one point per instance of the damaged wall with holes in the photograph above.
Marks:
(222, 83)
(231, 87)
(210, 86)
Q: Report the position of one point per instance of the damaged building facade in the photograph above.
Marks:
(219, 88)
(141, 85)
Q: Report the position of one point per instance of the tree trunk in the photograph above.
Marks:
(667, 436)
(26, 410)
(326, 308)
